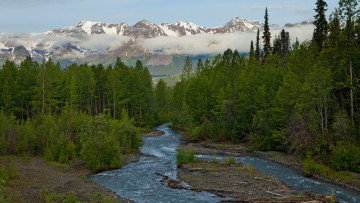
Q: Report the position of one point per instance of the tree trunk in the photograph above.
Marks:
(43, 91)
(351, 93)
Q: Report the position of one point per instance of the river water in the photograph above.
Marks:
(139, 182)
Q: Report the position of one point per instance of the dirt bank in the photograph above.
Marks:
(154, 133)
(242, 183)
(35, 174)
(236, 150)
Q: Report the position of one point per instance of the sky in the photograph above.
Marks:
(30, 16)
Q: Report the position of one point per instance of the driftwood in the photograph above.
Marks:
(273, 193)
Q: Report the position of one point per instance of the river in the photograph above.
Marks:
(139, 182)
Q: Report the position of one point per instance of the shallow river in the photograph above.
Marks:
(138, 181)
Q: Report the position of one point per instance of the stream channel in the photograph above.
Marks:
(139, 182)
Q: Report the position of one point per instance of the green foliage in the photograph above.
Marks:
(230, 160)
(300, 100)
(311, 167)
(346, 156)
(54, 197)
(8, 173)
(184, 156)
(101, 150)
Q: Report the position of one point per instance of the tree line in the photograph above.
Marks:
(300, 98)
(82, 110)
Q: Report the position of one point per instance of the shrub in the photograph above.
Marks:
(60, 149)
(346, 156)
(7, 174)
(311, 167)
(230, 160)
(126, 133)
(26, 139)
(183, 157)
(101, 148)
(90, 153)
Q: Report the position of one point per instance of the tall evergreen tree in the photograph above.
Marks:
(187, 70)
(349, 11)
(321, 25)
(252, 52)
(199, 67)
(266, 36)
(257, 45)
(281, 44)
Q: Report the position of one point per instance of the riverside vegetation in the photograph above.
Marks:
(302, 99)
(83, 111)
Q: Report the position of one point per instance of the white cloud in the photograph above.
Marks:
(213, 44)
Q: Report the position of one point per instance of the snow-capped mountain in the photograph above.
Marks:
(98, 42)
(146, 29)
(89, 27)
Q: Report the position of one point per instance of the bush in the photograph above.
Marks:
(230, 160)
(101, 148)
(7, 174)
(54, 197)
(126, 133)
(26, 140)
(183, 157)
(346, 156)
(311, 167)
(60, 149)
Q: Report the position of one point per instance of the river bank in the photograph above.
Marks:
(243, 183)
(38, 180)
(239, 150)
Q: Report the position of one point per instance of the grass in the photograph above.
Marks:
(249, 167)
(170, 80)
(230, 160)
(8, 174)
(184, 156)
(71, 197)
(311, 167)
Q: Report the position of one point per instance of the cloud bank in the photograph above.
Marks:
(213, 44)
(193, 44)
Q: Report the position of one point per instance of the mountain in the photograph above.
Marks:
(98, 42)
(146, 29)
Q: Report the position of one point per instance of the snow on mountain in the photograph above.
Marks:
(146, 29)
(90, 40)
(184, 28)
(168, 31)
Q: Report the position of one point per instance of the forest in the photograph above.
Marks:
(87, 111)
(298, 98)
(302, 99)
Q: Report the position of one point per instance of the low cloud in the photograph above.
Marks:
(213, 44)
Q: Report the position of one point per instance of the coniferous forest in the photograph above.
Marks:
(303, 99)
(89, 111)
(298, 98)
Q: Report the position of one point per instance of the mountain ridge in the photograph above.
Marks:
(98, 42)
(146, 29)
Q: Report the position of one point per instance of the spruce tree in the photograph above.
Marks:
(251, 53)
(257, 45)
(187, 70)
(349, 11)
(285, 43)
(321, 25)
(267, 36)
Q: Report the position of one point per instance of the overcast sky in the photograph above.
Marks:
(22, 16)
